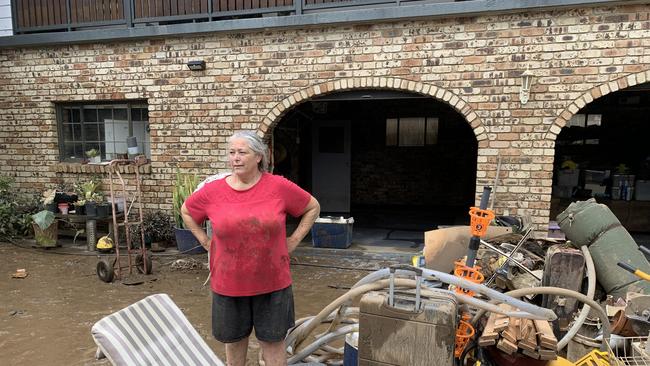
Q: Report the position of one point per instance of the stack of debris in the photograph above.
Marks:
(534, 338)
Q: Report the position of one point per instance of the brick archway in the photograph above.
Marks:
(265, 128)
(593, 94)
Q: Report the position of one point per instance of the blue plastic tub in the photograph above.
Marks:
(187, 243)
(330, 232)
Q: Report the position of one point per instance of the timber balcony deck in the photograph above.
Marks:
(44, 16)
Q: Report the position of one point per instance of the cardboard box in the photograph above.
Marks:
(642, 192)
(332, 232)
(596, 176)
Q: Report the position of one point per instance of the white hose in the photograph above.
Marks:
(322, 340)
(300, 332)
(591, 289)
(560, 292)
(535, 311)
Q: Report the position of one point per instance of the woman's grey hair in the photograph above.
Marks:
(256, 144)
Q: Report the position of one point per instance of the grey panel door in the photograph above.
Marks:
(331, 165)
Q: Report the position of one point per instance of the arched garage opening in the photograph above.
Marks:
(400, 163)
(603, 153)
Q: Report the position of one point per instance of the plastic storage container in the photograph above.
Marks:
(332, 232)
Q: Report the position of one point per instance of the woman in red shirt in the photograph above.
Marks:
(249, 249)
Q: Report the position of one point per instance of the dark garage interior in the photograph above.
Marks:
(412, 163)
(603, 153)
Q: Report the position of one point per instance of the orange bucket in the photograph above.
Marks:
(480, 220)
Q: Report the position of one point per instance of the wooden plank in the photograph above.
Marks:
(73, 11)
(506, 346)
(488, 330)
(151, 9)
(173, 7)
(484, 342)
(529, 343)
(158, 8)
(547, 354)
(531, 354)
(118, 9)
(501, 324)
(545, 334)
(36, 19)
(85, 11)
(56, 12)
(19, 14)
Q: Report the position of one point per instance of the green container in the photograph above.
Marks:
(594, 225)
(46, 238)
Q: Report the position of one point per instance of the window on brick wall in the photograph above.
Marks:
(103, 127)
(411, 131)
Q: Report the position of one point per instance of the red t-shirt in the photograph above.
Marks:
(248, 255)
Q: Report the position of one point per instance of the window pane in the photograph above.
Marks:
(76, 115)
(105, 114)
(116, 131)
(90, 114)
(71, 132)
(91, 132)
(432, 131)
(411, 131)
(72, 150)
(391, 132)
(119, 114)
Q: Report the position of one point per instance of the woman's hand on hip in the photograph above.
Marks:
(292, 243)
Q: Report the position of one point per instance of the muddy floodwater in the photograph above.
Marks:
(45, 318)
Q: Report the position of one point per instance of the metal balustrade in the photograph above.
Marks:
(39, 16)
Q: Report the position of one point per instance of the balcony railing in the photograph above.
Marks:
(35, 16)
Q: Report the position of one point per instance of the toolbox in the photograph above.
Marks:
(404, 328)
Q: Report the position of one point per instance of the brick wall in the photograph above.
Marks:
(472, 64)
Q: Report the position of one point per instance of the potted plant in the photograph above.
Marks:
(158, 228)
(88, 196)
(93, 156)
(184, 185)
(80, 207)
(45, 228)
(92, 202)
(48, 200)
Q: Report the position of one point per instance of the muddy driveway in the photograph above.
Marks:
(45, 318)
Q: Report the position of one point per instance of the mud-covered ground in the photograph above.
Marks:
(45, 318)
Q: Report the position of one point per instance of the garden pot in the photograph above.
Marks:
(91, 209)
(187, 243)
(103, 210)
(46, 238)
(95, 160)
(63, 207)
(52, 207)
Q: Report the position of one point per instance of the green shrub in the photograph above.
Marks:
(15, 210)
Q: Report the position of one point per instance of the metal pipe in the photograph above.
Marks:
(492, 247)
(512, 253)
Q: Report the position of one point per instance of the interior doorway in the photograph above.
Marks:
(400, 163)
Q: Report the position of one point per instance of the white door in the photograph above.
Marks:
(331, 165)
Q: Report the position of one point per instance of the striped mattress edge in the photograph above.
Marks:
(152, 331)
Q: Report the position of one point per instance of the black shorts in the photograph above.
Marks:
(272, 315)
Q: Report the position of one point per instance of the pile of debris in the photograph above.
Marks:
(513, 300)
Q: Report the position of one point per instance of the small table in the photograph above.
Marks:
(91, 225)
